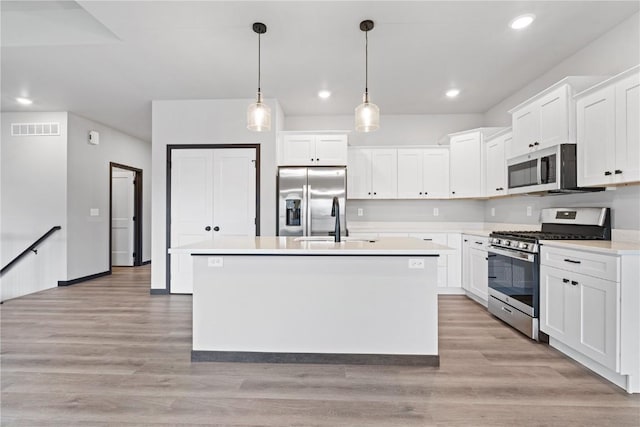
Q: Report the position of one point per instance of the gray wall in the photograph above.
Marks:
(88, 187)
(33, 173)
(623, 201)
(610, 54)
(207, 121)
(409, 129)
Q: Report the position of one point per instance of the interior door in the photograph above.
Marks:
(213, 193)
(122, 213)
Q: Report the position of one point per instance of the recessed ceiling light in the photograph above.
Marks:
(24, 101)
(522, 21)
(324, 94)
(452, 93)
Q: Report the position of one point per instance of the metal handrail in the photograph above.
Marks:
(30, 248)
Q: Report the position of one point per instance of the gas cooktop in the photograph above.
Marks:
(543, 235)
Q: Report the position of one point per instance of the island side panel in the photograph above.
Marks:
(315, 304)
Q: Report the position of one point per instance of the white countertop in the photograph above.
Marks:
(472, 228)
(608, 247)
(296, 246)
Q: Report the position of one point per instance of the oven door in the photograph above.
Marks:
(513, 279)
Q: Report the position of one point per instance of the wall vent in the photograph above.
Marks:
(35, 129)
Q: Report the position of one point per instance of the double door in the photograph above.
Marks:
(373, 173)
(213, 193)
(313, 150)
(423, 173)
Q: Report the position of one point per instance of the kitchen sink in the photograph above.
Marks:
(330, 239)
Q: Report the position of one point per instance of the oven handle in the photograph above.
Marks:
(513, 254)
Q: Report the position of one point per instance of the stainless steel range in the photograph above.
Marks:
(514, 264)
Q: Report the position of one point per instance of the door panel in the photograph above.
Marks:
(331, 150)
(557, 314)
(628, 129)
(122, 212)
(292, 204)
(234, 192)
(525, 130)
(298, 150)
(554, 118)
(384, 173)
(435, 173)
(359, 170)
(410, 173)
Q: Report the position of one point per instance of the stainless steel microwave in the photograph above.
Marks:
(551, 169)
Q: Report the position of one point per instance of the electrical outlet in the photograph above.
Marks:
(215, 261)
(436, 212)
(416, 263)
(360, 211)
(529, 211)
(94, 212)
(493, 211)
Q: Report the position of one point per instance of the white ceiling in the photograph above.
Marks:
(106, 60)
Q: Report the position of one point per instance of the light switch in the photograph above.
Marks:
(529, 211)
(94, 212)
(416, 263)
(215, 261)
(493, 211)
(360, 211)
(436, 211)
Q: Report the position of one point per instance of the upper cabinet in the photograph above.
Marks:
(496, 165)
(312, 150)
(548, 118)
(423, 173)
(608, 131)
(372, 173)
(466, 174)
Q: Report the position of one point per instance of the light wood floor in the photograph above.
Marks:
(107, 353)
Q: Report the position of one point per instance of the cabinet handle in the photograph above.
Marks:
(216, 228)
(572, 261)
(425, 193)
(618, 171)
(574, 283)
(207, 228)
(536, 143)
(369, 193)
(478, 243)
(312, 159)
(317, 160)
(465, 240)
(427, 240)
(530, 145)
(374, 193)
(453, 192)
(420, 193)
(565, 280)
(506, 309)
(607, 173)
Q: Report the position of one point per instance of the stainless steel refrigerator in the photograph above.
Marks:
(305, 197)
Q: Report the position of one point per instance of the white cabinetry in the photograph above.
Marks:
(423, 173)
(589, 308)
(496, 166)
(466, 177)
(372, 173)
(547, 118)
(608, 131)
(475, 267)
(448, 265)
(312, 150)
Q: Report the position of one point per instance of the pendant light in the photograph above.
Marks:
(259, 113)
(367, 113)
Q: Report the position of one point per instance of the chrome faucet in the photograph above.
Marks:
(335, 211)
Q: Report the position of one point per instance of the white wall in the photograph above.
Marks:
(408, 129)
(221, 121)
(33, 193)
(88, 187)
(613, 52)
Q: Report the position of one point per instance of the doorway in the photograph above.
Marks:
(125, 215)
(212, 191)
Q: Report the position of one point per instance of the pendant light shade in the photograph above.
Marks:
(367, 113)
(259, 113)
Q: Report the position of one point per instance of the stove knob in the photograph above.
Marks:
(507, 242)
(524, 246)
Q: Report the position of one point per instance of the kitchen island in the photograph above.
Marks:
(312, 300)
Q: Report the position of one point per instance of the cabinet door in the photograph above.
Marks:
(454, 261)
(435, 173)
(359, 174)
(410, 173)
(554, 118)
(628, 130)
(496, 167)
(331, 150)
(596, 137)
(298, 150)
(466, 166)
(557, 310)
(384, 173)
(466, 257)
(597, 302)
(526, 124)
(478, 273)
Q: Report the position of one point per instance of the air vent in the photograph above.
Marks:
(35, 129)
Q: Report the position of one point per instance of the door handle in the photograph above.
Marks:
(207, 228)
(617, 171)
(607, 173)
(565, 280)
(574, 283)
(216, 228)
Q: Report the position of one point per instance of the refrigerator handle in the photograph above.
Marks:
(308, 211)
(304, 210)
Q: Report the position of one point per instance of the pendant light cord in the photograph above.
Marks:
(258, 62)
(366, 61)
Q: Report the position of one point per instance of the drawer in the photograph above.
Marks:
(594, 265)
(480, 241)
(440, 239)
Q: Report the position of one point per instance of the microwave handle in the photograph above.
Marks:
(539, 170)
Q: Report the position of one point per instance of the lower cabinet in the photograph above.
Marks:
(582, 312)
(475, 269)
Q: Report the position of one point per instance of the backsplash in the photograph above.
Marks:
(623, 201)
(416, 210)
